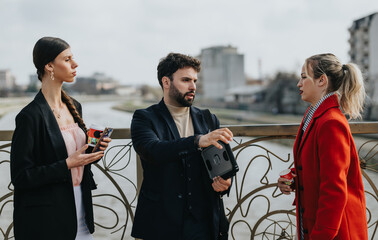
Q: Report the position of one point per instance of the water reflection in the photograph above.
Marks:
(93, 112)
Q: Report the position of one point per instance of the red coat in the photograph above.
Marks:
(329, 183)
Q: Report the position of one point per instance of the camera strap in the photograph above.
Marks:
(223, 220)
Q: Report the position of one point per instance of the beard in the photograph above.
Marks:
(175, 94)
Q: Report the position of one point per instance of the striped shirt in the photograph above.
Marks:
(312, 110)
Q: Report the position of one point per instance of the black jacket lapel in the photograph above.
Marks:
(52, 127)
(199, 123)
(164, 112)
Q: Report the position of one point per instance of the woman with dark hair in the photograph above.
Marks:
(50, 171)
(329, 192)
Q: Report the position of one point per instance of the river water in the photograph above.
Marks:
(103, 114)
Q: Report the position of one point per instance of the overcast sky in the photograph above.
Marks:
(126, 38)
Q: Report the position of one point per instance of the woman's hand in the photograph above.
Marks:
(105, 143)
(285, 189)
(80, 158)
(221, 185)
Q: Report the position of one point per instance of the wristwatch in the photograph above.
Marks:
(196, 142)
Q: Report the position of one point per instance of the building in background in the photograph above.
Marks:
(364, 51)
(7, 82)
(34, 83)
(98, 83)
(222, 69)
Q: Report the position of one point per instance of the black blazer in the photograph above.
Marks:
(160, 209)
(44, 203)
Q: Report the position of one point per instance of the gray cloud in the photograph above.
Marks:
(126, 39)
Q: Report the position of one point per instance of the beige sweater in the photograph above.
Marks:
(183, 120)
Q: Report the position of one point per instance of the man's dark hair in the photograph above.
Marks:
(173, 62)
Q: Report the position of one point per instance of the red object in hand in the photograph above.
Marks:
(288, 175)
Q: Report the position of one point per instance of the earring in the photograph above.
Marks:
(52, 76)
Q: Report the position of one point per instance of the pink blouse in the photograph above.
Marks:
(74, 138)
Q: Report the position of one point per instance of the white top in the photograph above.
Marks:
(74, 138)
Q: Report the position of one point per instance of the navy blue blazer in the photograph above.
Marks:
(160, 209)
(44, 203)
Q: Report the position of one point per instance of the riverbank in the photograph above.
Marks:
(12, 104)
(226, 116)
(242, 117)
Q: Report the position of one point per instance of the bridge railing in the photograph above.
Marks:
(256, 208)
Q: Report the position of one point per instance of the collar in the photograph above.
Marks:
(312, 110)
(199, 123)
(178, 111)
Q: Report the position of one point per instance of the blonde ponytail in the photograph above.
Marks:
(345, 79)
(352, 91)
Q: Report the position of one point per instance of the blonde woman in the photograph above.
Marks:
(330, 200)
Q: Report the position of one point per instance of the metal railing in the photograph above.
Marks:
(255, 208)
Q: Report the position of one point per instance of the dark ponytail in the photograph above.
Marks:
(46, 50)
(71, 107)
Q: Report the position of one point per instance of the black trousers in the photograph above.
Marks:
(194, 229)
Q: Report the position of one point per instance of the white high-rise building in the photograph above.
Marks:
(7, 80)
(222, 68)
(364, 51)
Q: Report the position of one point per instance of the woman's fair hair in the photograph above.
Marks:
(45, 51)
(346, 80)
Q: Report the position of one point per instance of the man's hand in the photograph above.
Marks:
(212, 138)
(221, 185)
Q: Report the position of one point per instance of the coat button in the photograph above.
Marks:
(189, 193)
(301, 188)
(300, 167)
(302, 210)
(305, 231)
(179, 196)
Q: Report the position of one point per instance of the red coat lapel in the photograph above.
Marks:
(328, 103)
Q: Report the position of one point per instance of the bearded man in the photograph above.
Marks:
(177, 199)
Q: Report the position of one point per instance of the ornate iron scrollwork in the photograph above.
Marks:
(256, 208)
